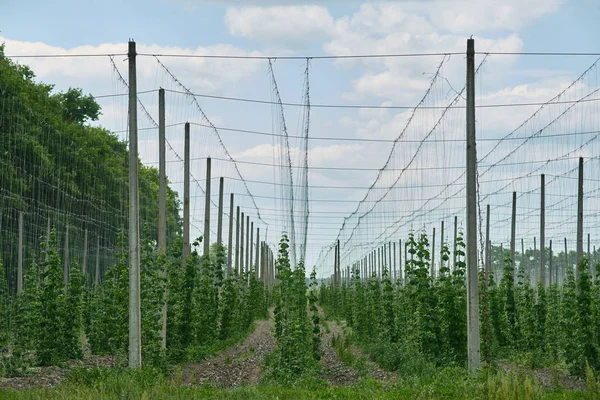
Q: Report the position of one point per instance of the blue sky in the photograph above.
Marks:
(270, 27)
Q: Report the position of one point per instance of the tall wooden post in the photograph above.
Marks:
(542, 281)
(473, 340)
(207, 211)
(186, 197)
(579, 217)
(135, 321)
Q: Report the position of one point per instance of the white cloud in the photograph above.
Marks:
(288, 25)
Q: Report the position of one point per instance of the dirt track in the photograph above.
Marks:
(239, 365)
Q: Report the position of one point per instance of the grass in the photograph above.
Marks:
(447, 383)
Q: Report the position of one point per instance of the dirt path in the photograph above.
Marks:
(334, 370)
(239, 365)
(42, 377)
(340, 374)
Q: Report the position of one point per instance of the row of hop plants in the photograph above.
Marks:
(422, 321)
(50, 323)
(297, 321)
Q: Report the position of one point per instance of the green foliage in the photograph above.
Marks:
(295, 355)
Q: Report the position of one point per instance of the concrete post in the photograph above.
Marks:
(251, 247)
(442, 246)
(550, 270)
(513, 232)
(257, 258)
(220, 216)
(542, 280)
(473, 340)
(230, 234)
(162, 208)
(579, 217)
(488, 256)
(455, 238)
(432, 266)
(67, 260)
(135, 322)
(237, 239)
(242, 245)
(248, 247)
(97, 275)
(566, 262)
(20, 256)
(185, 251)
(207, 210)
(85, 251)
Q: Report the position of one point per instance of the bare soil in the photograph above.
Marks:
(43, 377)
(239, 365)
(334, 370)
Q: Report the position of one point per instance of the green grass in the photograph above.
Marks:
(448, 383)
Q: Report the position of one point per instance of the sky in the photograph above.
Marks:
(273, 28)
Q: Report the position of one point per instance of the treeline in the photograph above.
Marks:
(57, 169)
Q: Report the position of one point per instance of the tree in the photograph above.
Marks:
(77, 108)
